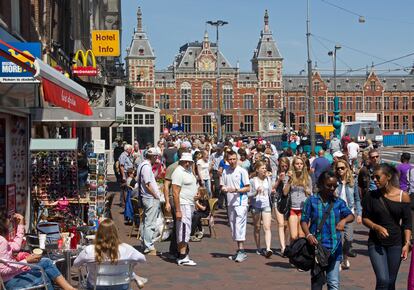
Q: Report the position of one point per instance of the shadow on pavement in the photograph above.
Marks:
(220, 255)
(280, 265)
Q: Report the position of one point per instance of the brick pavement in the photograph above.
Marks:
(216, 271)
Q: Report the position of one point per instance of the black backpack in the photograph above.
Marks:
(301, 254)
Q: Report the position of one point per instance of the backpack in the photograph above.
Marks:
(301, 254)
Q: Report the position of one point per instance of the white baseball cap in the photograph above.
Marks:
(338, 154)
(186, 157)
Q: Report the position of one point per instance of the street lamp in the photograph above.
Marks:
(217, 24)
(337, 122)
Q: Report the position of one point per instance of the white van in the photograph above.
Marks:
(362, 131)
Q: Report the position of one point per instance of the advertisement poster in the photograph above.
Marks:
(11, 199)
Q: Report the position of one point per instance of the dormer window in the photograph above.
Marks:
(190, 52)
(141, 51)
(186, 62)
(223, 63)
(268, 39)
(269, 53)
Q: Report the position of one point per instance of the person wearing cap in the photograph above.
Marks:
(184, 187)
(125, 163)
(235, 184)
(335, 144)
(149, 193)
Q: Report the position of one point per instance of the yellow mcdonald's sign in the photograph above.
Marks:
(85, 69)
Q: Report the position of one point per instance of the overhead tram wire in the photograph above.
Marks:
(328, 49)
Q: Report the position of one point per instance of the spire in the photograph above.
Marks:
(205, 36)
(139, 18)
(266, 22)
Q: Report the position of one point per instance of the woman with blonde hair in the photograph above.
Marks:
(107, 248)
(348, 191)
(299, 187)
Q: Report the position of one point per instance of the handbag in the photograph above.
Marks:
(321, 253)
(283, 202)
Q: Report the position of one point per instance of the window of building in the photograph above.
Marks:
(330, 119)
(139, 119)
(396, 103)
(301, 120)
(292, 104)
(321, 118)
(316, 86)
(358, 104)
(163, 123)
(186, 123)
(270, 101)
(321, 103)
(372, 86)
(228, 123)
(302, 104)
(248, 101)
(228, 96)
(378, 103)
(412, 103)
(248, 123)
(386, 122)
(207, 124)
(368, 105)
(207, 93)
(128, 119)
(386, 103)
(396, 122)
(405, 103)
(405, 122)
(149, 119)
(330, 103)
(349, 103)
(349, 118)
(185, 96)
(164, 101)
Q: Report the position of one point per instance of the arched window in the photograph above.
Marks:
(228, 96)
(207, 93)
(185, 96)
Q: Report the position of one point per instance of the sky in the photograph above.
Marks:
(387, 34)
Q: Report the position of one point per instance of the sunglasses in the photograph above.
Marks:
(377, 177)
(376, 156)
(341, 168)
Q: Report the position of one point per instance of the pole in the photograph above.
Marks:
(336, 122)
(311, 103)
(219, 128)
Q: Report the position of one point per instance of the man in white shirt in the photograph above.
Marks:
(150, 195)
(353, 150)
(184, 186)
(235, 183)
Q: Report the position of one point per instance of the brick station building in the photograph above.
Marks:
(186, 92)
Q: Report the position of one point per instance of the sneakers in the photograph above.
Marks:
(141, 281)
(268, 253)
(186, 262)
(233, 257)
(345, 265)
(150, 252)
(259, 252)
(352, 253)
(239, 257)
(199, 235)
(195, 239)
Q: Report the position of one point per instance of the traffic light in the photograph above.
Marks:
(292, 118)
(283, 117)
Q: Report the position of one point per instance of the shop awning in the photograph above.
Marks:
(58, 89)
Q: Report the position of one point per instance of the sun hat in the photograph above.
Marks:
(338, 154)
(186, 156)
(152, 151)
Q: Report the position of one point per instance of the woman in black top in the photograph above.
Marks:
(202, 207)
(386, 212)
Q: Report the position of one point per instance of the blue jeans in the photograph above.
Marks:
(386, 263)
(151, 212)
(34, 276)
(207, 185)
(332, 276)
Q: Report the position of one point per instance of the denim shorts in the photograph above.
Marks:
(256, 210)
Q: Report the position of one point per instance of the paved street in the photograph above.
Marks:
(216, 271)
(393, 154)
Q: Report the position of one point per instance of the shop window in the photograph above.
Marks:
(128, 119)
(149, 119)
(139, 119)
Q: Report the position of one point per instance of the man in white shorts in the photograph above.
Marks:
(184, 186)
(235, 183)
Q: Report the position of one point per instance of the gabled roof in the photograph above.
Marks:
(266, 48)
(140, 46)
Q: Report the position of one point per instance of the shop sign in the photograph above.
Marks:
(13, 73)
(98, 146)
(85, 69)
(105, 42)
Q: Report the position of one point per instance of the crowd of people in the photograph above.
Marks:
(292, 187)
(313, 197)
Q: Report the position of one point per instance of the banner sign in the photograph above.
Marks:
(11, 199)
(13, 73)
(85, 69)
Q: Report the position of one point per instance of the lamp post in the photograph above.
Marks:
(311, 102)
(217, 24)
(337, 111)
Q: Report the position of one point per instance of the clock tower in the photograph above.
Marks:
(140, 62)
(267, 65)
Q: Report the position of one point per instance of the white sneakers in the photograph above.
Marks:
(186, 262)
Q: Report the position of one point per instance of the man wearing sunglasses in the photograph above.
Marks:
(365, 175)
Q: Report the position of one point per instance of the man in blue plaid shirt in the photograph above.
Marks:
(330, 235)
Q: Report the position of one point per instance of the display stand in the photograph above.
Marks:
(97, 162)
(54, 173)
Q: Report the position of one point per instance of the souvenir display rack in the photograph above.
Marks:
(54, 169)
(97, 163)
